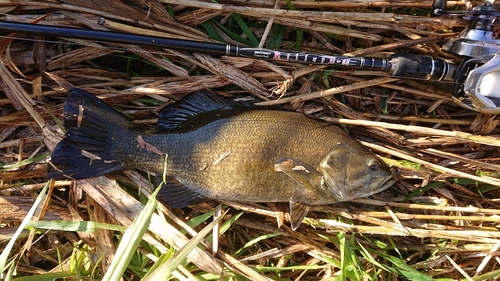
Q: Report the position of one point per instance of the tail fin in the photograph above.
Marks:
(85, 150)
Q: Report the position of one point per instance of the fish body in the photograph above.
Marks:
(219, 149)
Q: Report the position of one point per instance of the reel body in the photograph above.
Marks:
(477, 81)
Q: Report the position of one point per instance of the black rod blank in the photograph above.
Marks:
(194, 46)
(398, 65)
(115, 37)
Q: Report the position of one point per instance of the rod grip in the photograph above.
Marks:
(421, 67)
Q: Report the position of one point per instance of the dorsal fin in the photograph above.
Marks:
(197, 109)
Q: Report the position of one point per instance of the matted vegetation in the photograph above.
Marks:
(439, 221)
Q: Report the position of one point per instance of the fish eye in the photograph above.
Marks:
(373, 164)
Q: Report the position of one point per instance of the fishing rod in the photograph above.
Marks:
(399, 65)
(476, 81)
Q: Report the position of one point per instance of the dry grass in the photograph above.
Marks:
(439, 220)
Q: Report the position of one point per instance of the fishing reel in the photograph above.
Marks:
(477, 78)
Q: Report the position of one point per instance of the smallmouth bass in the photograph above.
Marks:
(220, 149)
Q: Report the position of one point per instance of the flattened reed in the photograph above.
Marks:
(439, 220)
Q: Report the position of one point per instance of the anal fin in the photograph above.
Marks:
(175, 194)
(298, 211)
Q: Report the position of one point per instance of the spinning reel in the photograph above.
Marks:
(477, 80)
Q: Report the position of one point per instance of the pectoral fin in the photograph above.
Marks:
(298, 211)
(302, 173)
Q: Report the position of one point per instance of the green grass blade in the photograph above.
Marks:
(406, 270)
(25, 162)
(196, 221)
(256, 240)
(236, 36)
(45, 277)
(290, 5)
(56, 119)
(88, 226)
(400, 267)
(130, 240)
(423, 189)
(212, 32)
(6, 251)
(371, 260)
(276, 38)
(350, 268)
(343, 255)
(8, 275)
(242, 24)
(299, 39)
(492, 275)
(225, 226)
(164, 271)
(161, 260)
(261, 268)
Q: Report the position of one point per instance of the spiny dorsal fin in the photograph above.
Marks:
(187, 113)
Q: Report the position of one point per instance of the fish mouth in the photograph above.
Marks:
(363, 191)
(346, 191)
(377, 189)
(389, 181)
(385, 183)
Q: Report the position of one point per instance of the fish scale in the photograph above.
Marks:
(251, 153)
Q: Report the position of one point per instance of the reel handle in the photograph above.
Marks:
(439, 4)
